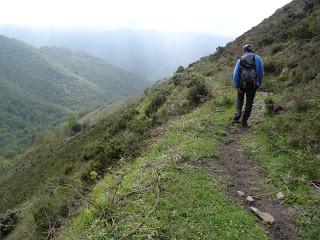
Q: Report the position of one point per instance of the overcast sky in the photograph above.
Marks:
(219, 17)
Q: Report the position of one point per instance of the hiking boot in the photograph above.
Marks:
(235, 121)
(244, 124)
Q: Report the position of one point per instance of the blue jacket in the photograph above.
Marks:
(259, 70)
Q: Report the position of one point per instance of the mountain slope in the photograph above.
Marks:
(38, 90)
(145, 162)
(41, 76)
(154, 54)
(112, 80)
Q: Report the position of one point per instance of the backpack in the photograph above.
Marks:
(248, 73)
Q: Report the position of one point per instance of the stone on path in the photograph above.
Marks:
(240, 193)
(280, 195)
(267, 217)
(250, 199)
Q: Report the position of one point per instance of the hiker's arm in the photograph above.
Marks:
(236, 73)
(260, 71)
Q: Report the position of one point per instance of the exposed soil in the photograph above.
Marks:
(247, 177)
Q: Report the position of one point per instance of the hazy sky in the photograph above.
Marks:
(219, 17)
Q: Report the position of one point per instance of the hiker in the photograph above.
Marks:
(247, 78)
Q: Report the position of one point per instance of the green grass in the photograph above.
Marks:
(283, 146)
(165, 193)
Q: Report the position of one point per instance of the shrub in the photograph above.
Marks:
(180, 69)
(121, 120)
(85, 176)
(269, 67)
(302, 106)
(68, 167)
(267, 40)
(198, 92)
(91, 150)
(219, 50)
(226, 101)
(308, 6)
(156, 102)
(72, 121)
(76, 128)
(7, 222)
(160, 116)
(139, 124)
(269, 104)
(276, 49)
(48, 211)
(177, 79)
(4, 165)
(302, 30)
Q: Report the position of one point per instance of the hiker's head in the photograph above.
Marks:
(247, 48)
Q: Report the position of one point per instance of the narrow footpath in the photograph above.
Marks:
(247, 183)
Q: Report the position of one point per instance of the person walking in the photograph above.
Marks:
(247, 78)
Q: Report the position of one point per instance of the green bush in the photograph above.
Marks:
(92, 149)
(7, 222)
(302, 30)
(226, 101)
(302, 106)
(48, 211)
(4, 165)
(156, 102)
(180, 69)
(276, 49)
(68, 167)
(269, 105)
(270, 67)
(266, 40)
(121, 120)
(198, 92)
(219, 50)
(76, 128)
(177, 79)
(85, 176)
(139, 124)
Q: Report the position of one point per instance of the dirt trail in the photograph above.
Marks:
(247, 177)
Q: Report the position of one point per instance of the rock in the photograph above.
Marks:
(229, 141)
(267, 217)
(280, 195)
(240, 193)
(250, 199)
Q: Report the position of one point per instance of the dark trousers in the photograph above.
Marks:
(249, 92)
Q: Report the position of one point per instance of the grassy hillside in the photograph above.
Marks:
(38, 89)
(113, 81)
(139, 172)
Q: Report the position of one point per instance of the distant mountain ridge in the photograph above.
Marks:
(154, 54)
(42, 86)
(97, 71)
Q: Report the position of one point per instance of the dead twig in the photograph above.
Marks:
(116, 187)
(288, 179)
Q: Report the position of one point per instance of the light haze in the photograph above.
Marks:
(223, 17)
